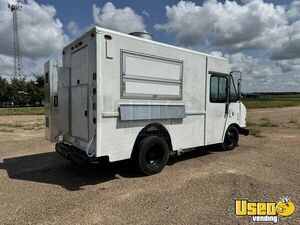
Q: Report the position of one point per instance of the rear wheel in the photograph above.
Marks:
(231, 138)
(153, 155)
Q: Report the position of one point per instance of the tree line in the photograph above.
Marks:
(21, 92)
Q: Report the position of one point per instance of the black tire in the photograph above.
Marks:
(152, 155)
(231, 138)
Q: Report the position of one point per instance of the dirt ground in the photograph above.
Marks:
(37, 186)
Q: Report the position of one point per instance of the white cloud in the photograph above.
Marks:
(145, 13)
(222, 24)
(289, 65)
(31, 67)
(269, 32)
(41, 34)
(236, 27)
(73, 28)
(294, 10)
(263, 74)
(278, 83)
(6, 64)
(289, 45)
(124, 20)
(253, 67)
(217, 53)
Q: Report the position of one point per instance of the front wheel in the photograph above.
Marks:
(153, 155)
(231, 138)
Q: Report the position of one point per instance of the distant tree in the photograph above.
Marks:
(22, 92)
(18, 91)
(39, 79)
(35, 90)
(3, 90)
(40, 93)
(31, 90)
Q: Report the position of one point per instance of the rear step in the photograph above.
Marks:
(74, 154)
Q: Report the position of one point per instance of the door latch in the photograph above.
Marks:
(55, 101)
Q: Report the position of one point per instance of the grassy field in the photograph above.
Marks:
(22, 111)
(264, 101)
(273, 101)
(12, 126)
(255, 127)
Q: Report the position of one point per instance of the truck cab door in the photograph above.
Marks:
(234, 106)
(216, 108)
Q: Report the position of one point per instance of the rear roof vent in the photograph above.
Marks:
(144, 35)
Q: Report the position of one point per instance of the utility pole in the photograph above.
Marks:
(18, 70)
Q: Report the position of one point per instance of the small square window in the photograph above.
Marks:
(218, 89)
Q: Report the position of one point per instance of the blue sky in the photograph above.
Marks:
(81, 12)
(259, 37)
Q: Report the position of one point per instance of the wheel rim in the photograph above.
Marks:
(230, 138)
(154, 156)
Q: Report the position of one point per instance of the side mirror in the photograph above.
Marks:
(237, 76)
(239, 87)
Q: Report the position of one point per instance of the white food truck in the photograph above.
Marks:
(123, 96)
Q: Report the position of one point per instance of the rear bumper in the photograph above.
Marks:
(73, 154)
(243, 131)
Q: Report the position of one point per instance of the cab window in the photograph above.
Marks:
(218, 89)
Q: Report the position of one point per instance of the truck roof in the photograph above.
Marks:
(100, 29)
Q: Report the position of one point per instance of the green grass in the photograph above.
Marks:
(11, 126)
(273, 101)
(293, 120)
(266, 122)
(254, 104)
(5, 129)
(255, 131)
(255, 127)
(22, 111)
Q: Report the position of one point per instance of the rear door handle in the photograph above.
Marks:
(55, 103)
(85, 112)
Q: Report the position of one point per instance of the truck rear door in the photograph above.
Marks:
(79, 93)
(51, 101)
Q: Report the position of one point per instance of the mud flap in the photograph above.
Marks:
(244, 131)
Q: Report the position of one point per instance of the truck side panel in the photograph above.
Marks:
(137, 74)
(118, 137)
